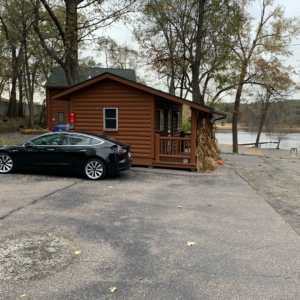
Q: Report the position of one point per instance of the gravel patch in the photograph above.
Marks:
(16, 137)
(34, 257)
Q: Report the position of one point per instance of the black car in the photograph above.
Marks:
(93, 154)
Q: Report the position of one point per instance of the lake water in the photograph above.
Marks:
(292, 140)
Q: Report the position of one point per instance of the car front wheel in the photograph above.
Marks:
(94, 169)
(6, 163)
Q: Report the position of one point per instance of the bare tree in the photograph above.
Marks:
(82, 19)
(271, 35)
(278, 121)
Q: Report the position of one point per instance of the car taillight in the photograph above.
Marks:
(121, 151)
(53, 128)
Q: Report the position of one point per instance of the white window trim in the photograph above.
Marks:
(162, 123)
(117, 118)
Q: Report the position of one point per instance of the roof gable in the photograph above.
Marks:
(58, 78)
(65, 94)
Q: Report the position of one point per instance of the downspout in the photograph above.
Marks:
(221, 118)
(224, 117)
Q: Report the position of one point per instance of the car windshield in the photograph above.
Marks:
(62, 125)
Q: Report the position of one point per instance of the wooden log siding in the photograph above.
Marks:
(56, 106)
(134, 114)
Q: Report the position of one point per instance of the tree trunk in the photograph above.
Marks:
(31, 112)
(20, 108)
(262, 121)
(12, 107)
(236, 111)
(71, 68)
(42, 111)
(198, 55)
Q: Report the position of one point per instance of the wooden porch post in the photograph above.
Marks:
(157, 145)
(193, 136)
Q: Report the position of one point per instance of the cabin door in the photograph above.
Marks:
(170, 128)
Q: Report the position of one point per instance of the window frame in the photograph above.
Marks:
(61, 112)
(160, 122)
(117, 119)
(47, 135)
(62, 134)
(100, 141)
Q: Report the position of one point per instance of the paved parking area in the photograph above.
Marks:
(130, 227)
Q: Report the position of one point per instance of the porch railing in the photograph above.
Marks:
(177, 148)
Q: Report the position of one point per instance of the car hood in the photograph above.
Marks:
(8, 147)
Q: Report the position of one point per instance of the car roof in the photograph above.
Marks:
(102, 136)
(94, 134)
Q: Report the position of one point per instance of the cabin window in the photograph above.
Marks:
(177, 119)
(160, 119)
(61, 117)
(110, 118)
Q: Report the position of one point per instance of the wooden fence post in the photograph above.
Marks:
(157, 146)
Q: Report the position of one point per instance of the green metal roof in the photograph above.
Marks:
(58, 78)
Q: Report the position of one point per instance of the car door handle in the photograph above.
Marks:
(82, 150)
(50, 149)
(15, 150)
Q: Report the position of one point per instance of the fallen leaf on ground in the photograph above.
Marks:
(278, 197)
(112, 289)
(110, 187)
(77, 252)
(179, 206)
(139, 279)
(191, 243)
(22, 295)
(49, 234)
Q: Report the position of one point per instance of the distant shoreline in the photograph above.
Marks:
(228, 126)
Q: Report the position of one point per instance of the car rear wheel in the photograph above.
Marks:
(94, 169)
(6, 163)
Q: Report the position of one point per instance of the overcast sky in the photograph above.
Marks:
(122, 34)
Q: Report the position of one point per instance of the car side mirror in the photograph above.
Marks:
(29, 144)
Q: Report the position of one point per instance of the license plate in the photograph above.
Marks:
(59, 130)
(129, 155)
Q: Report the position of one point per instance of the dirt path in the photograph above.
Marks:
(280, 188)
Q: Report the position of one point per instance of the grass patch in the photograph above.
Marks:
(2, 143)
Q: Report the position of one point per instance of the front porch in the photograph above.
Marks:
(177, 152)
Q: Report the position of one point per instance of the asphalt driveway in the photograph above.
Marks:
(130, 227)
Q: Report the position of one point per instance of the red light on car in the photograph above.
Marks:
(121, 151)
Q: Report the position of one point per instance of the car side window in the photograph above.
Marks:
(47, 140)
(95, 142)
(76, 140)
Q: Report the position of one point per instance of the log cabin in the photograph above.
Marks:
(113, 103)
